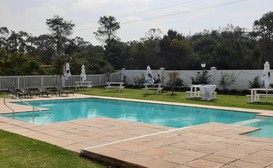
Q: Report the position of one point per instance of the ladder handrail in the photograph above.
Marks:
(33, 107)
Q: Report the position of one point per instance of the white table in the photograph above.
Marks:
(82, 84)
(118, 85)
(155, 86)
(205, 92)
(256, 93)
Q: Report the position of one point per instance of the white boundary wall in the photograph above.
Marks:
(242, 77)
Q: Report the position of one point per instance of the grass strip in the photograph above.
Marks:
(21, 152)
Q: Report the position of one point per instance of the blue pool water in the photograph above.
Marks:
(166, 115)
(266, 128)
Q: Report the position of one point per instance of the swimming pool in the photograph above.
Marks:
(165, 115)
(266, 127)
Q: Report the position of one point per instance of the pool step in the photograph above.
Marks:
(247, 122)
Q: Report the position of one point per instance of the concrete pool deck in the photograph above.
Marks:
(132, 144)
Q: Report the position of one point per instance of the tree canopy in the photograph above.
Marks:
(60, 30)
(107, 29)
(229, 47)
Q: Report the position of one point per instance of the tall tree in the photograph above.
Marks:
(174, 47)
(153, 34)
(107, 29)
(263, 29)
(264, 26)
(17, 41)
(115, 53)
(4, 32)
(45, 48)
(60, 30)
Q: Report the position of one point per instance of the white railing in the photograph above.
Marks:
(129, 76)
(37, 81)
(13, 111)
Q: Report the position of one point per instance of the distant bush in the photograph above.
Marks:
(174, 81)
(226, 80)
(201, 78)
(255, 83)
(139, 80)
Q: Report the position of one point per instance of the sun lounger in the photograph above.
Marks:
(12, 90)
(44, 92)
(83, 84)
(24, 92)
(60, 91)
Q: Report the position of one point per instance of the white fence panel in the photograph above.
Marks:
(242, 78)
(50, 81)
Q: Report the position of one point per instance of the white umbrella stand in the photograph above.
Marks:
(83, 74)
(149, 76)
(67, 73)
(266, 76)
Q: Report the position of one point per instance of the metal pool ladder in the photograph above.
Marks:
(13, 111)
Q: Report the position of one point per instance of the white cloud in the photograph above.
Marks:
(30, 15)
(108, 6)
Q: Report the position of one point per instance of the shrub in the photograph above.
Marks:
(174, 80)
(139, 80)
(255, 83)
(201, 78)
(226, 80)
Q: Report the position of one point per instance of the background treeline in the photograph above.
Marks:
(228, 47)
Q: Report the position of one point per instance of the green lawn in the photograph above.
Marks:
(222, 100)
(18, 151)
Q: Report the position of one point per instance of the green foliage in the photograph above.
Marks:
(19, 64)
(226, 80)
(139, 80)
(176, 50)
(255, 83)
(174, 81)
(21, 152)
(58, 65)
(60, 30)
(263, 30)
(107, 29)
(115, 53)
(201, 78)
(229, 47)
(102, 66)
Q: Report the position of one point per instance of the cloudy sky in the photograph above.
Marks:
(136, 17)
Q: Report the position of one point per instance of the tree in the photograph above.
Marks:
(107, 29)
(153, 34)
(263, 29)
(264, 26)
(4, 32)
(60, 30)
(180, 54)
(45, 48)
(115, 53)
(226, 80)
(18, 63)
(166, 48)
(17, 41)
(255, 83)
(174, 81)
(204, 45)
